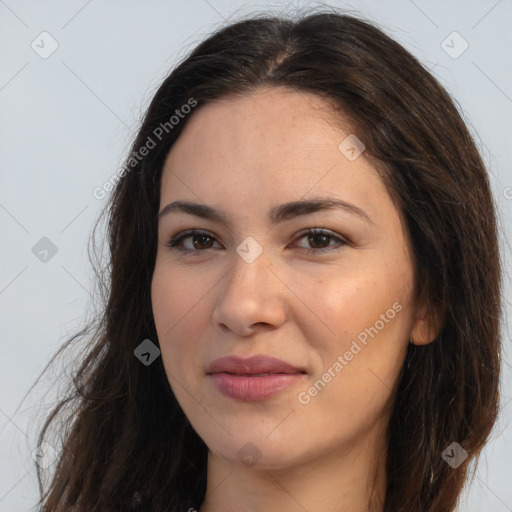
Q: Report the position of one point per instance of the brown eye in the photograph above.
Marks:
(200, 241)
(319, 240)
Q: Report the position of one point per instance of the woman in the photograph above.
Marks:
(302, 305)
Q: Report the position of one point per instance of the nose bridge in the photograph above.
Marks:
(251, 292)
(250, 268)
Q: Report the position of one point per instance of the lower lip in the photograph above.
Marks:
(245, 387)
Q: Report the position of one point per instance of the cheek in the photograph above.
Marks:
(359, 364)
(345, 305)
(174, 301)
(179, 311)
(365, 309)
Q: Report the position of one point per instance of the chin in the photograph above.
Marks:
(256, 450)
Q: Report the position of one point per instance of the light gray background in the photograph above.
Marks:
(66, 124)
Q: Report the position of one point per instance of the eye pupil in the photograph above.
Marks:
(316, 236)
(201, 237)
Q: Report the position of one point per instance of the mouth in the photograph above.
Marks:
(254, 379)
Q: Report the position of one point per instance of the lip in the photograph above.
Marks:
(241, 379)
(252, 365)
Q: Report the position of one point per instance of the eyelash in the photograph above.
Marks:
(174, 241)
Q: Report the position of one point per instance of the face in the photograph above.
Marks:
(335, 304)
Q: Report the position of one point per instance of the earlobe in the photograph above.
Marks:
(426, 327)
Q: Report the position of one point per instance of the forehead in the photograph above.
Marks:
(270, 117)
(271, 143)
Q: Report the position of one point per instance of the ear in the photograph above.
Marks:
(427, 325)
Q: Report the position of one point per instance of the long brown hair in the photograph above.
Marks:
(126, 443)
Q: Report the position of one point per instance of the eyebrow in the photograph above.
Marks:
(276, 214)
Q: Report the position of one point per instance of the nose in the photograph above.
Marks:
(251, 298)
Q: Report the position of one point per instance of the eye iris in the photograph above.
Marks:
(201, 237)
(317, 236)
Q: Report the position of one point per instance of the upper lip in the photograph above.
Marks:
(252, 365)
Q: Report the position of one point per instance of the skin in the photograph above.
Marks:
(243, 156)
